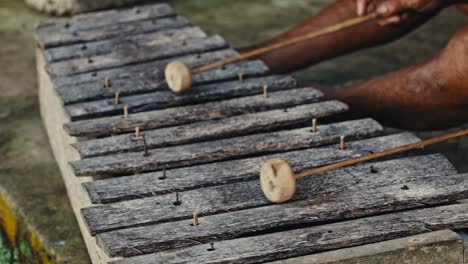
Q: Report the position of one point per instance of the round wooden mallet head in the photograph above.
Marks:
(277, 180)
(178, 76)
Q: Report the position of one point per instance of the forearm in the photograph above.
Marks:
(348, 40)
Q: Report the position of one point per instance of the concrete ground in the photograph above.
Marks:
(27, 168)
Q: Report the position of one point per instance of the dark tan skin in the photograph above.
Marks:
(430, 95)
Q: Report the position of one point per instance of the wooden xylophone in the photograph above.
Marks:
(139, 160)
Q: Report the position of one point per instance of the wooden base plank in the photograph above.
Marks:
(351, 203)
(92, 49)
(54, 117)
(133, 55)
(208, 175)
(210, 130)
(70, 37)
(199, 94)
(244, 195)
(156, 81)
(231, 148)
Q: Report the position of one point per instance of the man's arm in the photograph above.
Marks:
(348, 40)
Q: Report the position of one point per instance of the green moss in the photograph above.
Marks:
(28, 170)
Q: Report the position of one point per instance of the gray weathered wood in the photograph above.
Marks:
(238, 147)
(156, 81)
(107, 46)
(141, 69)
(351, 203)
(244, 195)
(207, 175)
(211, 130)
(70, 37)
(199, 94)
(113, 16)
(136, 54)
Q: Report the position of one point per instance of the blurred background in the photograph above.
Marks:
(36, 221)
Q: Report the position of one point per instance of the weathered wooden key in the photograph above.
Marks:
(278, 180)
(179, 75)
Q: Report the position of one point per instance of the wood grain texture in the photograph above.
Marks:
(58, 39)
(238, 147)
(183, 179)
(210, 130)
(351, 203)
(244, 195)
(112, 23)
(199, 94)
(86, 50)
(140, 70)
(156, 82)
(135, 54)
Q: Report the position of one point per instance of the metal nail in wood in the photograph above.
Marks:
(179, 76)
(195, 218)
(211, 247)
(177, 202)
(145, 148)
(117, 98)
(163, 177)
(137, 132)
(314, 125)
(125, 110)
(265, 91)
(107, 82)
(342, 142)
(241, 77)
(278, 180)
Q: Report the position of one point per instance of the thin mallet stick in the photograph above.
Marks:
(278, 180)
(383, 153)
(179, 75)
(312, 35)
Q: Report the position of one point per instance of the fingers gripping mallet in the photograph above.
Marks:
(278, 180)
(179, 76)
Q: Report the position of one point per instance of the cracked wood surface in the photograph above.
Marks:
(210, 130)
(238, 147)
(106, 24)
(244, 195)
(156, 81)
(207, 175)
(136, 54)
(355, 201)
(107, 46)
(131, 47)
(143, 70)
(199, 94)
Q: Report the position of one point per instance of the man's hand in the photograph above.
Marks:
(395, 11)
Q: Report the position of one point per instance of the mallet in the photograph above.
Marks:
(179, 75)
(278, 180)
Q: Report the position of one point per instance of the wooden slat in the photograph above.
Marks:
(244, 195)
(115, 16)
(354, 202)
(183, 179)
(218, 150)
(57, 39)
(136, 54)
(211, 130)
(107, 46)
(142, 69)
(155, 82)
(199, 94)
